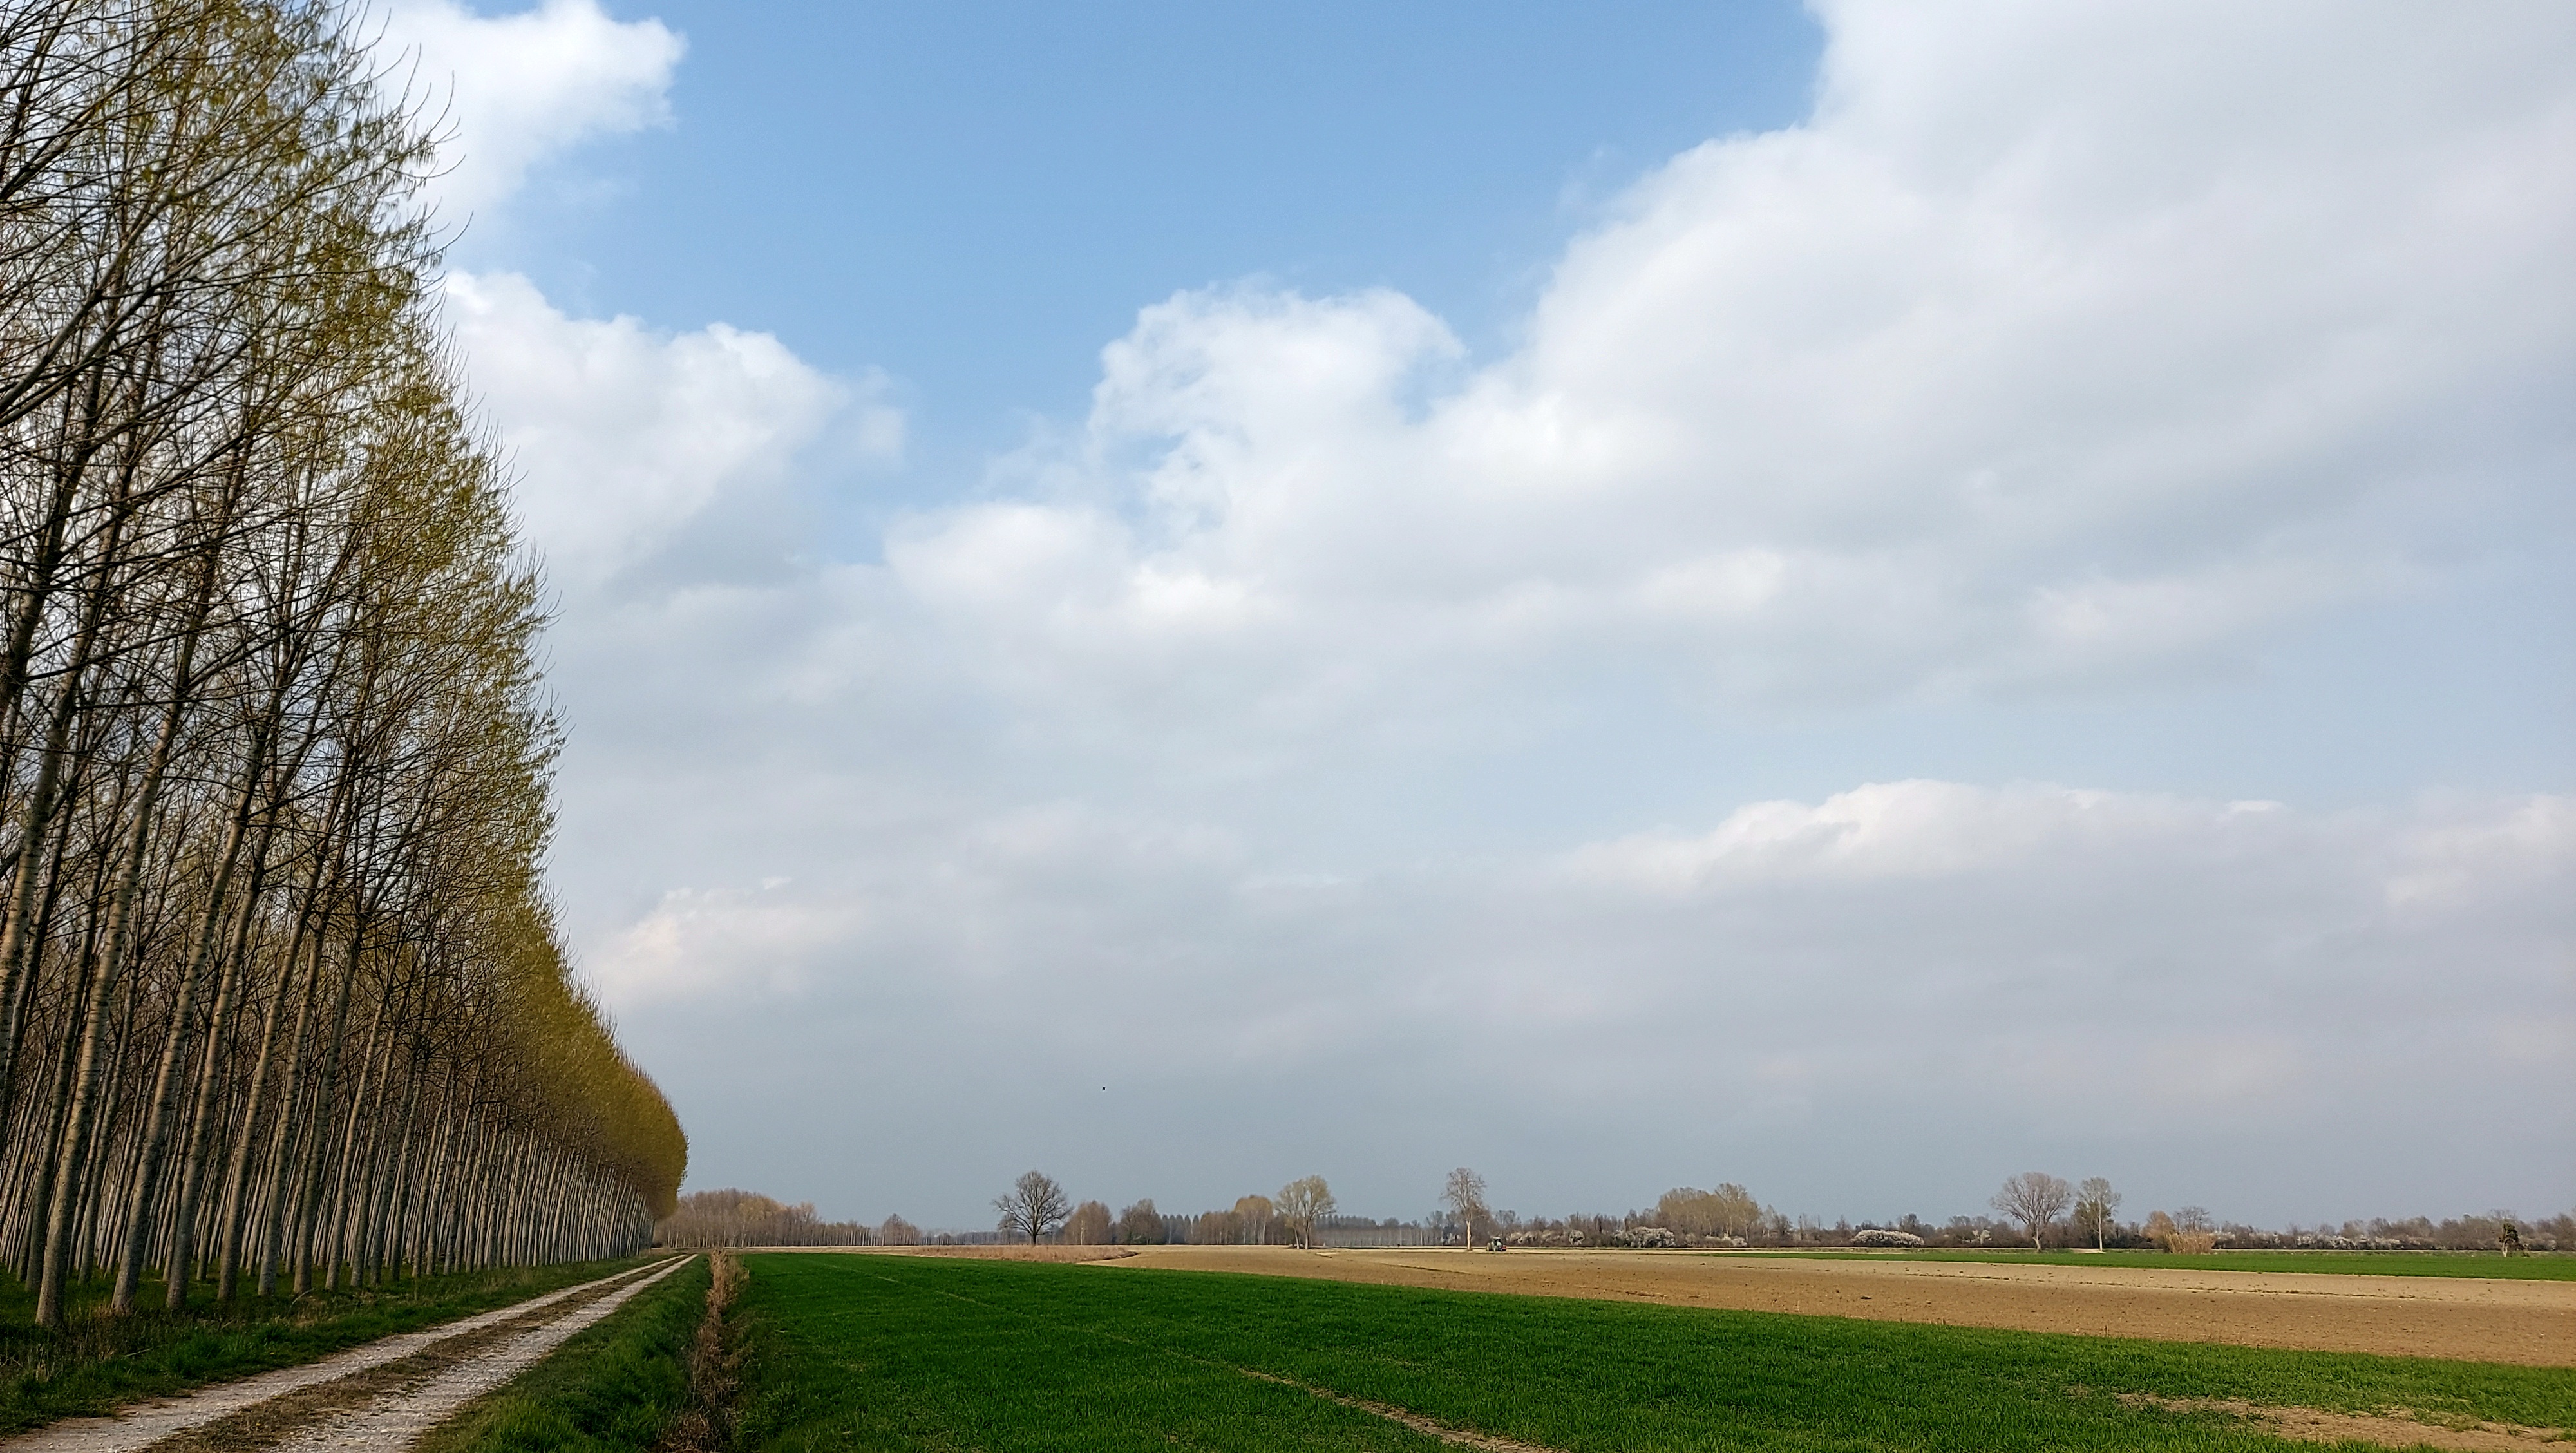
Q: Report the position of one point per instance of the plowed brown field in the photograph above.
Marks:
(2528, 1322)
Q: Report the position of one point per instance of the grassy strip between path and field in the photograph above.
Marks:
(2546, 1266)
(614, 1387)
(103, 1362)
(887, 1352)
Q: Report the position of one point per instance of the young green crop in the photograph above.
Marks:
(889, 1352)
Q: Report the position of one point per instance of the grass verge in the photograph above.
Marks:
(906, 1353)
(102, 1362)
(2545, 1266)
(618, 1385)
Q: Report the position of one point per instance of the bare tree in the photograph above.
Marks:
(1142, 1225)
(2095, 1202)
(1465, 1198)
(1730, 1210)
(1090, 1225)
(2035, 1199)
(1252, 1216)
(1034, 1206)
(731, 1218)
(1303, 1202)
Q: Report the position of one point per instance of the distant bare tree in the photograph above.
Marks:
(730, 1218)
(1302, 1203)
(1033, 1207)
(1253, 1214)
(2188, 1233)
(1089, 1225)
(1738, 1214)
(898, 1232)
(1466, 1197)
(2035, 1199)
(1142, 1225)
(2094, 1203)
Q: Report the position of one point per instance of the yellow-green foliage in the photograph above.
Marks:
(597, 1098)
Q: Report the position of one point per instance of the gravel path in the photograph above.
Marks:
(396, 1421)
(151, 1423)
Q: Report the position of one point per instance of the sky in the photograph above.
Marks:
(1853, 600)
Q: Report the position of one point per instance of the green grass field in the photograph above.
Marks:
(882, 1352)
(613, 1388)
(103, 1362)
(2548, 1266)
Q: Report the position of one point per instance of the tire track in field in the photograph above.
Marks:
(1422, 1423)
(251, 1405)
(1428, 1427)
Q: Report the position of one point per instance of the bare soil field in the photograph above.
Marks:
(970, 1253)
(2532, 1323)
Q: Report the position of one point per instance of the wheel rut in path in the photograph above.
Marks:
(355, 1390)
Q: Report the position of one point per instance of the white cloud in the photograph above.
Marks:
(1900, 830)
(2055, 348)
(521, 88)
(627, 435)
(2452, 865)
(720, 941)
(624, 433)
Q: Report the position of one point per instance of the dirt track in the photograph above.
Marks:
(375, 1398)
(2528, 1322)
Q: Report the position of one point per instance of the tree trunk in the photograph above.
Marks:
(120, 929)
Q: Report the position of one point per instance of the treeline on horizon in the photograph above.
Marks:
(1683, 1217)
(282, 1000)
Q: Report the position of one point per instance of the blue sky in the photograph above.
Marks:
(981, 195)
(1452, 570)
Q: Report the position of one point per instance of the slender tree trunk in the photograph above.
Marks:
(58, 1229)
(233, 1206)
(285, 1144)
(342, 1193)
(43, 1117)
(16, 943)
(147, 1169)
(308, 1200)
(180, 1267)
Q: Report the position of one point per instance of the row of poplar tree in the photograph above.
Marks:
(281, 998)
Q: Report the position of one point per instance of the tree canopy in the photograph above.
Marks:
(281, 993)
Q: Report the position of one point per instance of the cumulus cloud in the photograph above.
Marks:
(521, 88)
(2053, 349)
(624, 433)
(725, 941)
(627, 435)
